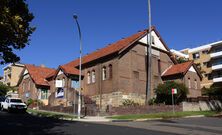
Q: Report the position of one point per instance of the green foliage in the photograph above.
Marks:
(163, 92)
(164, 115)
(129, 102)
(181, 60)
(31, 102)
(15, 28)
(212, 91)
(4, 89)
(152, 101)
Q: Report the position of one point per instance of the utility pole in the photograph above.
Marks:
(80, 66)
(149, 61)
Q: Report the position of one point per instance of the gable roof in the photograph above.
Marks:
(116, 47)
(66, 69)
(39, 74)
(181, 68)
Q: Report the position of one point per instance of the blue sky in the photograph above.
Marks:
(181, 23)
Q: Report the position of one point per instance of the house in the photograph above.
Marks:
(66, 92)
(33, 83)
(208, 59)
(186, 73)
(12, 73)
(116, 72)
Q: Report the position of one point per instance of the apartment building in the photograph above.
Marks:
(11, 74)
(216, 64)
(208, 59)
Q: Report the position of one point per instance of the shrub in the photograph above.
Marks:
(152, 101)
(164, 94)
(129, 102)
(33, 103)
(212, 91)
(29, 101)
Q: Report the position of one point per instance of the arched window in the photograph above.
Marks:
(195, 83)
(104, 73)
(110, 71)
(88, 78)
(189, 83)
(93, 76)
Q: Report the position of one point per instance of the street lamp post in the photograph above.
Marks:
(80, 65)
(149, 61)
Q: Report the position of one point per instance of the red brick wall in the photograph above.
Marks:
(27, 88)
(143, 109)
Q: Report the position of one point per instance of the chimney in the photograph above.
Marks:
(42, 65)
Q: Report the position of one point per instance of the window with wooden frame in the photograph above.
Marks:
(110, 71)
(104, 75)
(93, 76)
(88, 78)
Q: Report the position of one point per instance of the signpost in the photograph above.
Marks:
(174, 91)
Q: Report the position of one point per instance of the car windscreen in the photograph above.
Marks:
(16, 100)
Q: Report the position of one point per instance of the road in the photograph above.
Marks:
(26, 124)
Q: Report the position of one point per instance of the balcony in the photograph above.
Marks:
(217, 66)
(217, 79)
(216, 54)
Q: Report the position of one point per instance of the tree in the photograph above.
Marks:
(164, 95)
(181, 60)
(15, 28)
(214, 90)
(4, 89)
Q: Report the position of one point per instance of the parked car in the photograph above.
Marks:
(13, 104)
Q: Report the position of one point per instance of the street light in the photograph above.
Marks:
(80, 65)
(149, 61)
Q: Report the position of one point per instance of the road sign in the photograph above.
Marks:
(174, 91)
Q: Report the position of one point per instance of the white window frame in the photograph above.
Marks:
(88, 78)
(104, 73)
(93, 76)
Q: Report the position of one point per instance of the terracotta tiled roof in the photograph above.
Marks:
(39, 74)
(178, 69)
(116, 47)
(110, 49)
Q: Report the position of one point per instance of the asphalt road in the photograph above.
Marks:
(183, 126)
(26, 124)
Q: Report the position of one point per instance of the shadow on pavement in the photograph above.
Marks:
(26, 124)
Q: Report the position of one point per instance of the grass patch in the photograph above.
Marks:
(163, 115)
(55, 115)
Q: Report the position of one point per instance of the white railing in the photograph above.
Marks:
(216, 54)
(218, 79)
(216, 67)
